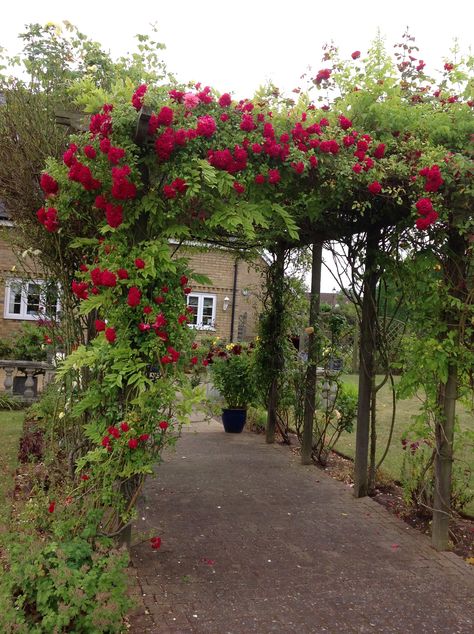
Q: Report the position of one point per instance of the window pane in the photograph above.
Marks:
(33, 299)
(14, 304)
(193, 302)
(207, 311)
(50, 300)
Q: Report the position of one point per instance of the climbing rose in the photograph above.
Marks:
(259, 179)
(357, 168)
(133, 443)
(138, 95)
(122, 188)
(110, 335)
(115, 154)
(206, 126)
(124, 426)
(69, 157)
(324, 73)
(194, 360)
(90, 152)
(345, 123)
(122, 274)
(143, 437)
(105, 145)
(449, 67)
(274, 176)
(100, 325)
(165, 116)
(113, 431)
(105, 441)
(379, 151)
(108, 278)
(239, 188)
(163, 425)
(375, 188)
(355, 55)
(191, 100)
(424, 206)
(134, 296)
(114, 215)
(180, 185)
(48, 218)
(80, 289)
(48, 184)
(433, 178)
(225, 100)
(147, 310)
(247, 123)
(139, 263)
(170, 192)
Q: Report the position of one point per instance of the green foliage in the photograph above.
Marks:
(233, 376)
(62, 586)
(8, 402)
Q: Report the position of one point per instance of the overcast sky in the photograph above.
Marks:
(237, 46)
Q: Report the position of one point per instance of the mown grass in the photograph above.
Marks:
(11, 423)
(406, 409)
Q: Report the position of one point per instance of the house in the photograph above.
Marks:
(227, 308)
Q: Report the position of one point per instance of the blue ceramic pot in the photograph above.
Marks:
(234, 420)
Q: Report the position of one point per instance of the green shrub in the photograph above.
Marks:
(10, 402)
(232, 375)
(69, 586)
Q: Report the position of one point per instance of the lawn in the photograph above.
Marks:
(405, 410)
(10, 428)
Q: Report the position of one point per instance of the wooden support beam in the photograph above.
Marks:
(313, 355)
(366, 365)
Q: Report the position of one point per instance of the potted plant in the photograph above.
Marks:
(231, 372)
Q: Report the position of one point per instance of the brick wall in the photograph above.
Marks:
(218, 265)
(12, 265)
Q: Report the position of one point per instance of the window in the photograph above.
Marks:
(203, 316)
(31, 299)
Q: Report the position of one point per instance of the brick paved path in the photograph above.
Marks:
(254, 542)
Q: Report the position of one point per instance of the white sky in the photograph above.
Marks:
(237, 46)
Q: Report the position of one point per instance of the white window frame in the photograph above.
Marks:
(23, 315)
(201, 297)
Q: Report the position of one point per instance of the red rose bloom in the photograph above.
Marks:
(165, 116)
(375, 188)
(194, 360)
(134, 296)
(110, 335)
(108, 278)
(324, 73)
(355, 55)
(449, 67)
(139, 263)
(345, 123)
(90, 152)
(105, 145)
(115, 154)
(357, 168)
(424, 206)
(379, 151)
(259, 179)
(114, 215)
(206, 126)
(122, 274)
(48, 184)
(163, 425)
(100, 325)
(124, 426)
(274, 176)
(170, 192)
(133, 443)
(239, 188)
(138, 95)
(225, 100)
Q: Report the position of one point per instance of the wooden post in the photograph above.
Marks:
(313, 347)
(448, 393)
(366, 365)
(276, 360)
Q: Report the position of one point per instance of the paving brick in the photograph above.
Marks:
(253, 542)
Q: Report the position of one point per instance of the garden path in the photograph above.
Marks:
(255, 542)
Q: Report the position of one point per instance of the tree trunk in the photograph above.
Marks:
(276, 359)
(366, 365)
(454, 276)
(373, 436)
(313, 348)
